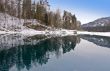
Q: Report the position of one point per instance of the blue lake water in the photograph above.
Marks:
(54, 53)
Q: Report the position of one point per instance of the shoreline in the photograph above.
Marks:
(62, 32)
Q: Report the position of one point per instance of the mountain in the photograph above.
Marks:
(99, 25)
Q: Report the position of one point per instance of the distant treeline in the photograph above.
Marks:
(40, 10)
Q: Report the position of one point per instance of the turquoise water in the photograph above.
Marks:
(48, 53)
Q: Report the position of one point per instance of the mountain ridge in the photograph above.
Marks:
(99, 25)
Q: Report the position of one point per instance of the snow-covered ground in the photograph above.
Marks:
(32, 32)
(61, 32)
(13, 25)
(10, 23)
(94, 33)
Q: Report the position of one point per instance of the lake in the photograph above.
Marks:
(54, 53)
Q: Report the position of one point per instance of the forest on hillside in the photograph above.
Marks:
(39, 10)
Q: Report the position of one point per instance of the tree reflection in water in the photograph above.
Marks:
(98, 40)
(36, 52)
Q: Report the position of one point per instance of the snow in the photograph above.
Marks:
(10, 23)
(94, 33)
(31, 32)
(62, 32)
(13, 25)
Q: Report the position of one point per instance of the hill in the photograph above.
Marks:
(99, 25)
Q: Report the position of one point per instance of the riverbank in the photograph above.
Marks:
(62, 32)
(32, 32)
(107, 34)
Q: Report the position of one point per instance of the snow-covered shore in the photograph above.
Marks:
(13, 25)
(62, 32)
(107, 34)
(32, 32)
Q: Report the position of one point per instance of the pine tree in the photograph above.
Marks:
(26, 9)
(34, 10)
(41, 11)
(70, 21)
(19, 8)
(2, 9)
(23, 9)
(57, 19)
(50, 19)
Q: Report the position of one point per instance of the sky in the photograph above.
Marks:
(85, 10)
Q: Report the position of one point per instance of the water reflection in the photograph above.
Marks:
(98, 40)
(22, 52)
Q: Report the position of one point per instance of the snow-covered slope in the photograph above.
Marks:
(10, 23)
(101, 25)
(98, 22)
(13, 25)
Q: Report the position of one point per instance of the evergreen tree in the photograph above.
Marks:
(23, 9)
(41, 11)
(50, 19)
(19, 8)
(2, 9)
(69, 21)
(33, 10)
(26, 9)
(57, 19)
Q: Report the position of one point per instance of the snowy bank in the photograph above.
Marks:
(11, 23)
(107, 34)
(61, 32)
(32, 32)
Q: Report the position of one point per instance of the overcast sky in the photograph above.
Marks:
(85, 10)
